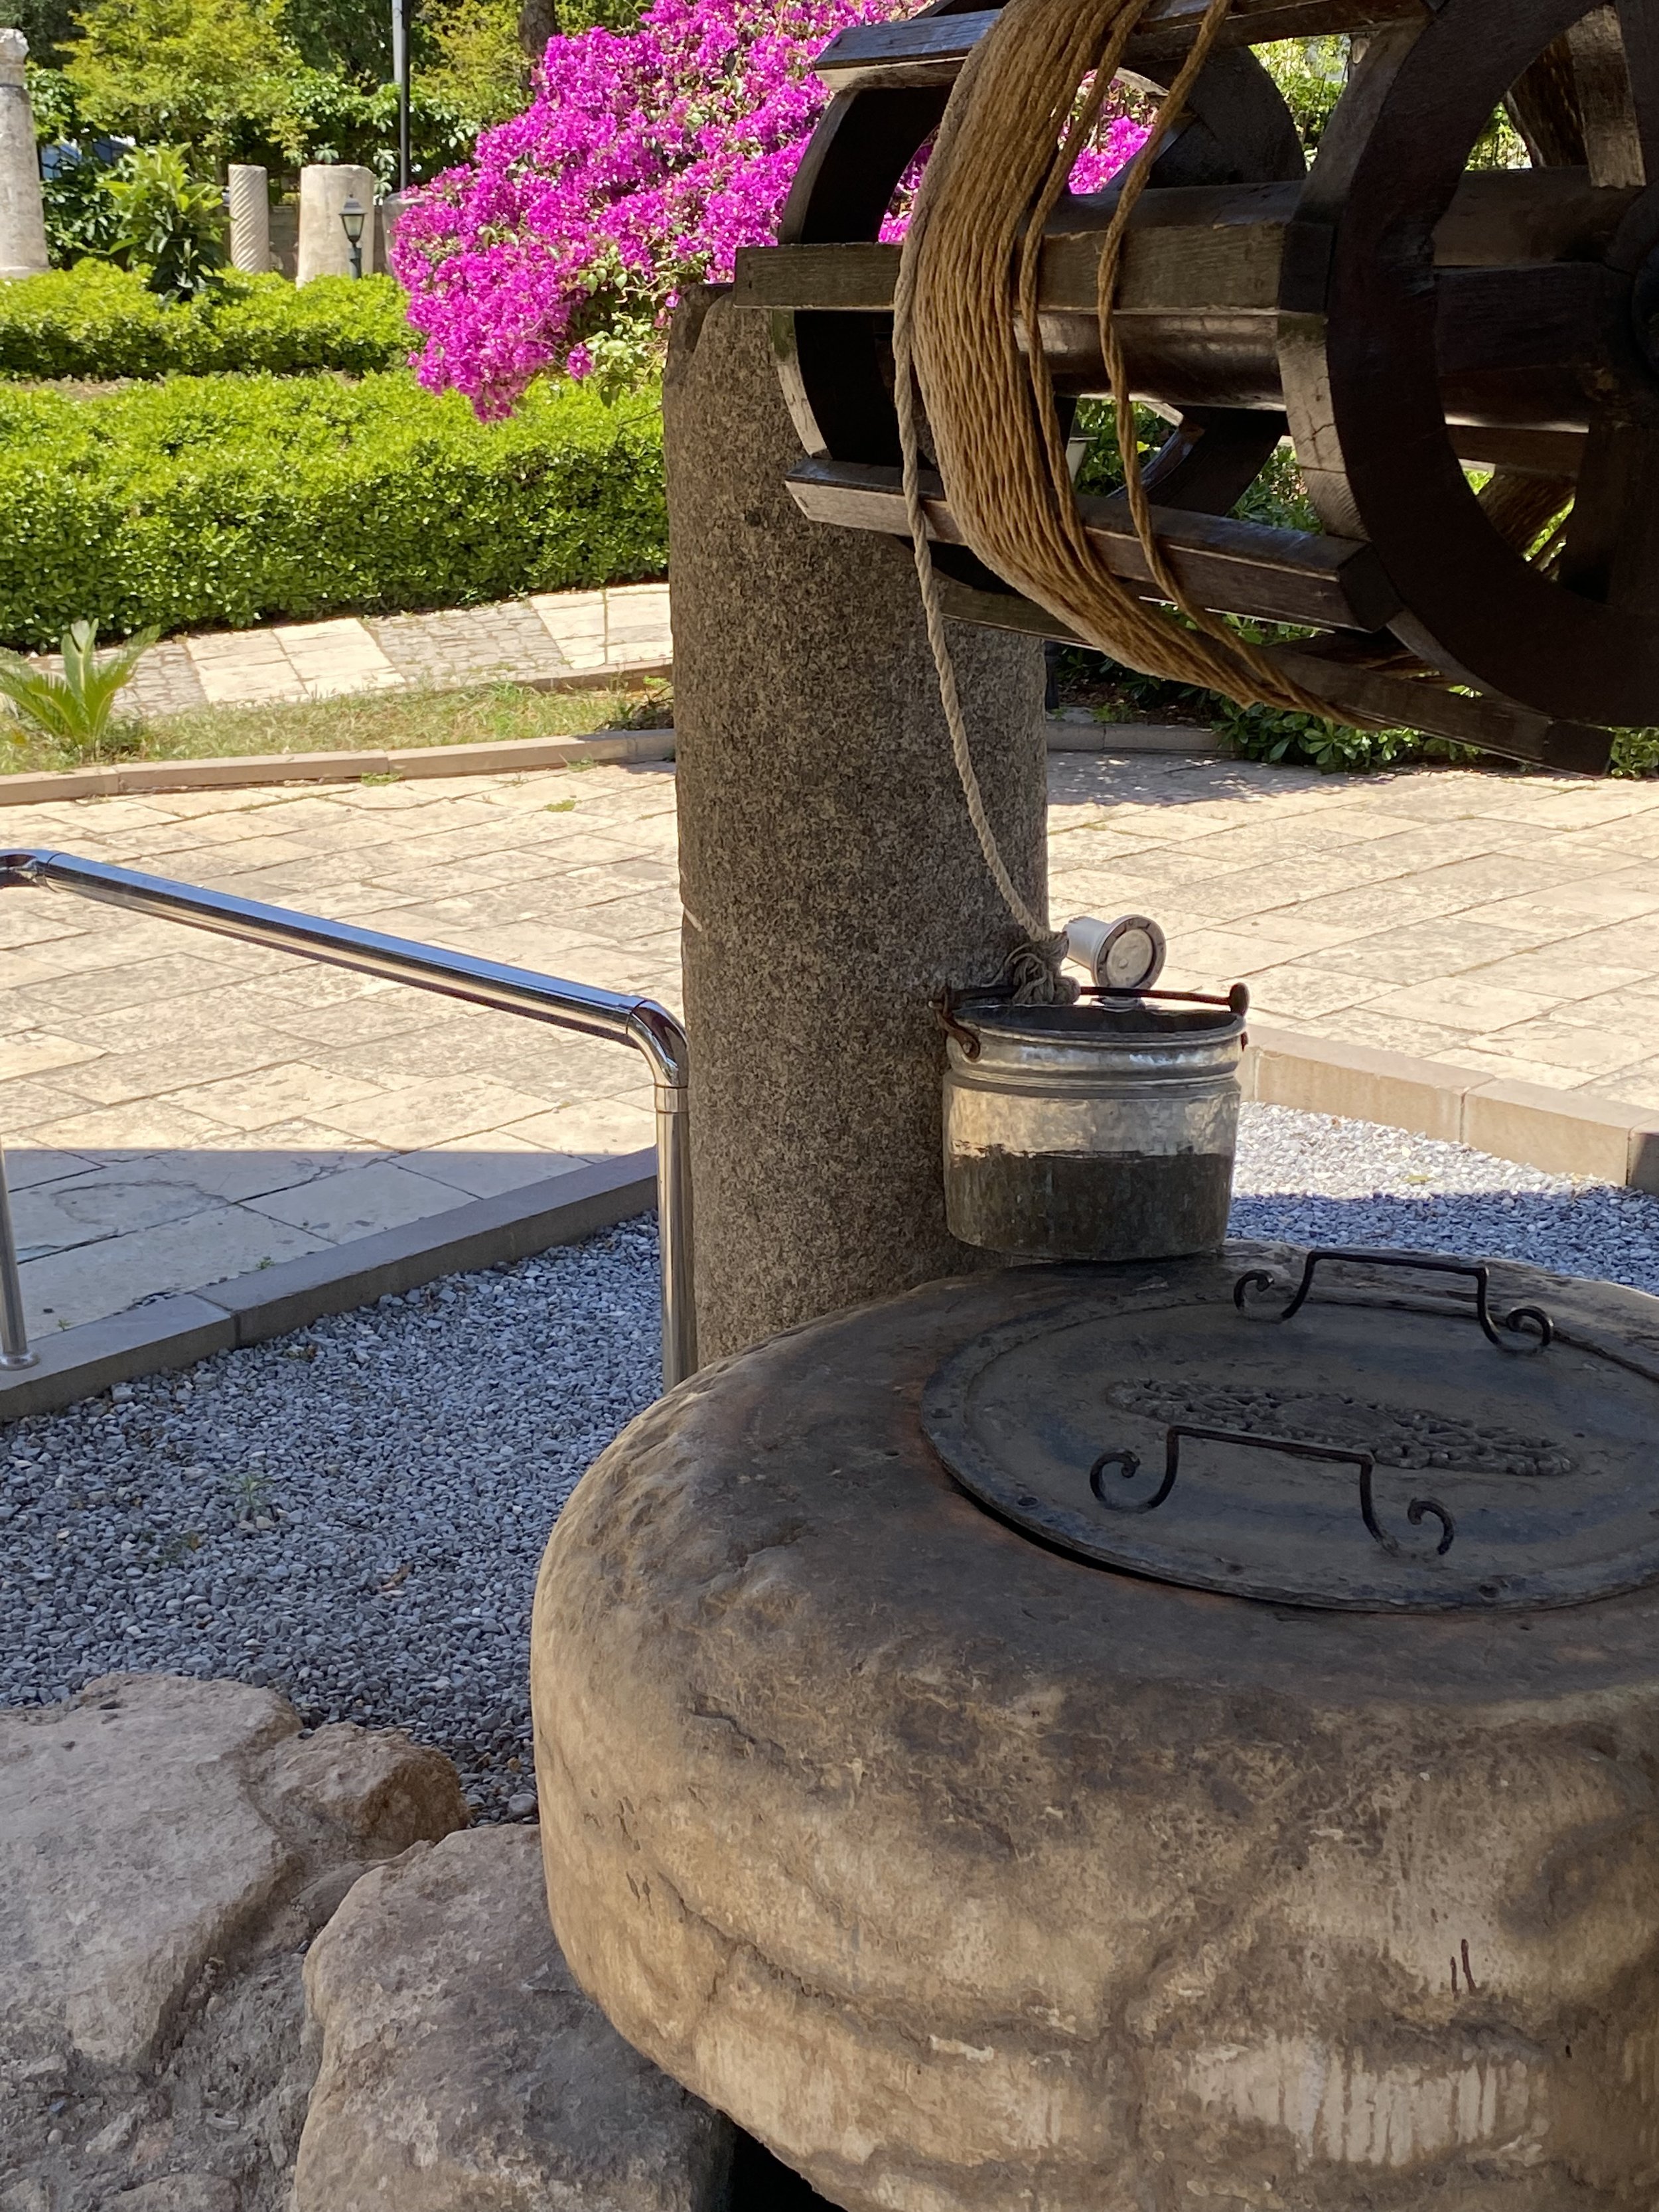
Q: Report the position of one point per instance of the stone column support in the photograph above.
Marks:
(22, 217)
(250, 218)
(831, 878)
(324, 188)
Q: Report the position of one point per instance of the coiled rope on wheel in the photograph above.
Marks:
(1018, 117)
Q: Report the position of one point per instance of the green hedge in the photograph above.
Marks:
(235, 500)
(95, 322)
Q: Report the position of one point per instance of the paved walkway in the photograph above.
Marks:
(551, 636)
(179, 1108)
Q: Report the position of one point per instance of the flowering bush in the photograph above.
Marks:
(646, 160)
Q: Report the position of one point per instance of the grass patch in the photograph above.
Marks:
(374, 721)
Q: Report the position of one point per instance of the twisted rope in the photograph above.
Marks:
(968, 286)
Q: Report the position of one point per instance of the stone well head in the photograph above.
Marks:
(986, 1822)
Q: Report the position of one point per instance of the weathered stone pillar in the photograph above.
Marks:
(832, 881)
(250, 218)
(22, 221)
(324, 188)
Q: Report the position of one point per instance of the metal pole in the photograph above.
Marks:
(679, 1311)
(651, 1030)
(400, 78)
(13, 1329)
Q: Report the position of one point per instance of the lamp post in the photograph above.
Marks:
(351, 221)
(400, 77)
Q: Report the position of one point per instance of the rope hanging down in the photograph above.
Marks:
(967, 284)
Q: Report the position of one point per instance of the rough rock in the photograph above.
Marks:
(178, 2192)
(167, 1848)
(464, 2070)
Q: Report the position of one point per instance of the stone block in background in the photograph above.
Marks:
(324, 188)
(22, 219)
(463, 2069)
(249, 191)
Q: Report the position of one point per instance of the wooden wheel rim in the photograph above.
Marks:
(1361, 387)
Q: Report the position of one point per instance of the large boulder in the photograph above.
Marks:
(463, 2069)
(167, 1848)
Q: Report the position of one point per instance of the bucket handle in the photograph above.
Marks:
(1238, 1001)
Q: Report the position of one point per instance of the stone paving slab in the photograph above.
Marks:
(179, 1108)
(546, 638)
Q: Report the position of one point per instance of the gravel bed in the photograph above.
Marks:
(354, 1514)
(1313, 1180)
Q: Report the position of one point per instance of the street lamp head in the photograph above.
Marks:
(351, 221)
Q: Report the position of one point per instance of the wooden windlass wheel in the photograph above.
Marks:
(1406, 319)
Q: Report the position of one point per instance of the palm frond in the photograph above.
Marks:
(73, 710)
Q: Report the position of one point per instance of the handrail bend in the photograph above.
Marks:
(650, 1028)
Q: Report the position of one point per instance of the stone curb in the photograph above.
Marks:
(1089, 736)
(514, 755)
(176, 1331)
(1563, 1132)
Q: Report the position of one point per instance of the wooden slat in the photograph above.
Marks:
(931, 49)
(1537, 316)
(1490, 726)
(1235, 567)
(1218, 249)
(1528, 453)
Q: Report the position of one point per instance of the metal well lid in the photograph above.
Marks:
(1387, 1449)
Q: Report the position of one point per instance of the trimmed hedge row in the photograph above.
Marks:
(235, 500)
(97, 322)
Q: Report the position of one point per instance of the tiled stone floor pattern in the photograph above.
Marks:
(179, 1108)
(1506, 923)
(549, 634)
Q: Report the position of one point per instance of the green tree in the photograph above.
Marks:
(216, 75)
(46, 24)
(477, 65)
(347, 41)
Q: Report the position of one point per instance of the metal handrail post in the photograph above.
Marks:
(650, 1028)
(14, 1328)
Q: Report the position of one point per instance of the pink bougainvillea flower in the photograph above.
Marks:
(645, 161)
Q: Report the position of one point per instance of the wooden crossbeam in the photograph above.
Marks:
(1234, 567)
(1497, 726)
(931, 49)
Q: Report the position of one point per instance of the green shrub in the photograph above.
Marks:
(168, 223)
(238, 499)
(97, 322)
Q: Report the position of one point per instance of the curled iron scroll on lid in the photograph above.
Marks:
(1518, 1322)
(1128, 1463)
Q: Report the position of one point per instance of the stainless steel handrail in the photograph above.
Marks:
(650, 1028)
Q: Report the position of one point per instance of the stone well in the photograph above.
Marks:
(972, 1875)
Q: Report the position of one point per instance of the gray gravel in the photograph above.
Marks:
(354, 1514)
(1313, 1180)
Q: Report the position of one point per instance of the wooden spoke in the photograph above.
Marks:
(1543, 105)
(1638, 28)
(1611, 553)
(1617, 97)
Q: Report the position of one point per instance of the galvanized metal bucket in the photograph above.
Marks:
(1104, 1130)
